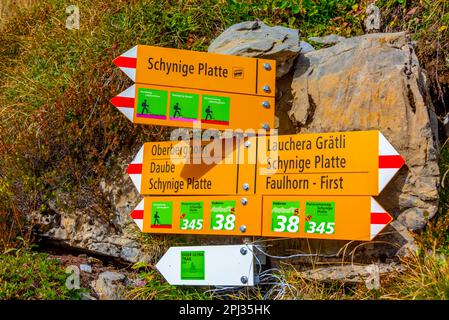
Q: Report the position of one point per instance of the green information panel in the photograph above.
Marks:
(191, 215)
(215, 109)
(285, 216)
(152, 103)
(184, 106)
(192, 265)
(222, 215)
(320, 217)
(161, 214)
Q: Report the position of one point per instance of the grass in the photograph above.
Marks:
(59, 134)
(27, 275)
(154, 287)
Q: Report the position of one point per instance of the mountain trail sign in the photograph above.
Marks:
(185, 88)
(303, 164)
(212, 215)
(323, 217)
(208, 265)
(326, 163)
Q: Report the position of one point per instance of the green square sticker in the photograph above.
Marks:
(184, 106)
(222, 215)
(320, 217)
(152, 103)
(192, 265)
(285, 216)
(161, 214)
(215, 109)
(191, 215)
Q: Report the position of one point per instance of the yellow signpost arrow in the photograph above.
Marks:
(304, 164)
(180, 107)
(338, 163)
(185, 88)
(214, 215)
(323, 217)
(199, 70)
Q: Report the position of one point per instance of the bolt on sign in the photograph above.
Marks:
(208, 265)
(338, 163)
(184, 88)
(194, 168)
(323, 217)
(211, 215)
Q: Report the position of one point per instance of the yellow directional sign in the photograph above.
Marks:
(194, 168)
(215, 215)
(180, 107)
(339, 163)
(199, 70)
(305, 164)
(323, 217)
(183, 88)
(318, 217)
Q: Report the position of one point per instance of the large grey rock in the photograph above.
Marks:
(105, 229)
(329, 39)
(256, 39)
(375, 82)
(110, 285)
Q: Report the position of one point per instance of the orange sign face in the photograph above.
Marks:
(199, 70)
(341, 163)
(214, 215)
(178, 107)
(306, 164)
(194, 168)
(323, 217)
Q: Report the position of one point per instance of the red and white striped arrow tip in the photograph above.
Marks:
(389, 162)
(124, 102)
(379, 219)
(127, 62)
(137, 214)
(135, 169)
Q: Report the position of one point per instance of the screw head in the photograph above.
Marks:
(244, 279)
(245, 186)
(243, 250)
(247, 144)
(265, 126)
(266, 88)
(266, 104)
(267, 66)
(242, 228)
(244, 201)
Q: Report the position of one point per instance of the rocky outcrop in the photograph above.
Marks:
(101, 230)
(375, 82)
(256, 39)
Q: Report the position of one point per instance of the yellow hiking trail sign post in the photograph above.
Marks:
(213, 215)
(339, 163)
(317, 217)
(304, 164)
(335, 203)
(179, 107)
(185, 88)
(323, 217)
(194, 168)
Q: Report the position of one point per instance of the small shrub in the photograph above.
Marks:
(27, 275)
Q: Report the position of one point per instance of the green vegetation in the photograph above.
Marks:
(28, 275)
(59, 133)
(154, 287)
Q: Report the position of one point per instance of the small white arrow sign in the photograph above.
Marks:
(208, 265)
